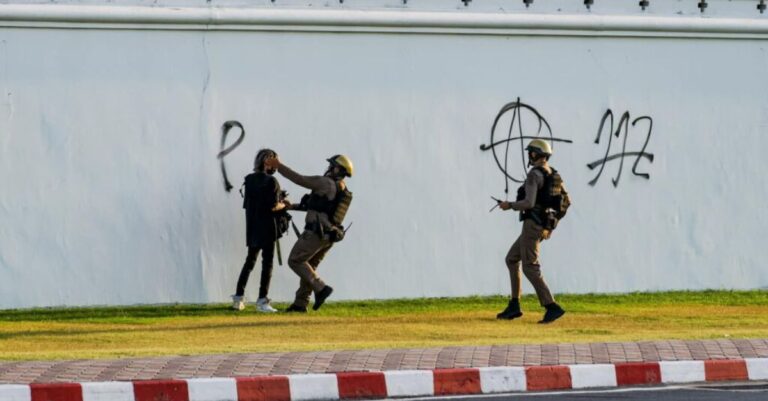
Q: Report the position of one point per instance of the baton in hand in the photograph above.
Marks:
(498, 203)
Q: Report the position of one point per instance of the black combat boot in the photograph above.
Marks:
(297, 309)
(321, 296)
(512, 311)
(554, 312)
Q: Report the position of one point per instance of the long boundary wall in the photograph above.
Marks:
(111, 116)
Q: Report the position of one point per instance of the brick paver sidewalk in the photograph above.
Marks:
(242, 365)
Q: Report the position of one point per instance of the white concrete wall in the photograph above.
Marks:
(112, 194)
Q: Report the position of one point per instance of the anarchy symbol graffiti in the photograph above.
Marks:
(515, 132)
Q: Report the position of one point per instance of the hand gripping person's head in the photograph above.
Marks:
(261, 157)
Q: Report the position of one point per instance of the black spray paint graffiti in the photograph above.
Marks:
(517, 108)
(225, 151)
(623, 125)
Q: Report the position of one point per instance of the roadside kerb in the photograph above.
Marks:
(407, 383)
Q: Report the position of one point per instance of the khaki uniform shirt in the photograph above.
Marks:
(533, 182)
(319, 185)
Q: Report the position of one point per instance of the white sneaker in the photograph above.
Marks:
(238, 303)
(262, 305)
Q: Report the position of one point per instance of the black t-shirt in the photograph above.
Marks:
(262, 192)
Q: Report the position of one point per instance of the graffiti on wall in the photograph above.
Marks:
(623, 126)
(224, 151)
(500, 143)
(516, 134)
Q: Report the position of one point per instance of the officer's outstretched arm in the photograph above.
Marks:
(314, 183)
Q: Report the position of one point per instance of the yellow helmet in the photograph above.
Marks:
(539, 146)
(343, 162)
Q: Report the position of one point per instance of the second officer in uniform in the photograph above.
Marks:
(542, 201)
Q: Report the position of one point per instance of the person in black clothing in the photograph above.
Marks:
(262, 201)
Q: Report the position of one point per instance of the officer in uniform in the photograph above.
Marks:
(326, 207)
(262, 203)
(541, 180)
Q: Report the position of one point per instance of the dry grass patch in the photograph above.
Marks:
(76, 333)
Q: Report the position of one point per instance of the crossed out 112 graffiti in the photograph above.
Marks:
(500, 145)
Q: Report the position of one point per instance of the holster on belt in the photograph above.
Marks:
(335, 234)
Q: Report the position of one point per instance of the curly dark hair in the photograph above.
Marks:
(264, 154)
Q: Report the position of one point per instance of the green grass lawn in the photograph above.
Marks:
(109, 332)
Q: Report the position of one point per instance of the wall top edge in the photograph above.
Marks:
(212, 18)
(742, 8)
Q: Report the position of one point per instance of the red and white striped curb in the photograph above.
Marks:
(402, 383)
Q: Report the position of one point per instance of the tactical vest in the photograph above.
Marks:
(552, 201)
(336, 208)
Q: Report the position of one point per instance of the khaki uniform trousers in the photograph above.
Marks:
(526, 249)
(304, 259)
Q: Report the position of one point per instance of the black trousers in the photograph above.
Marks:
(267, 254)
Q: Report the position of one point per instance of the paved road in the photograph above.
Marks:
(730, 392)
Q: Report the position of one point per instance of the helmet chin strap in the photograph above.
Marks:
(330, 173)
(339, 174)
(533, 158)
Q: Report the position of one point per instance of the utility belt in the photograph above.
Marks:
(543, 217)
(334, 234)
